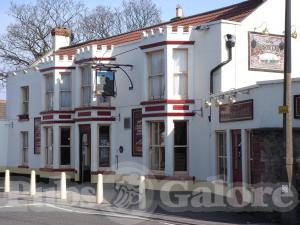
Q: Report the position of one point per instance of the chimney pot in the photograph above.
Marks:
(179, 11)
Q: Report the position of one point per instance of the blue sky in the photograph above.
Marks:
(167, 7)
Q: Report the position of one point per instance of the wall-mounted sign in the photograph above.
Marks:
(297, 106)
(37, 135)
(137, 137)
(105, 82)
(266, 52)
(238, 111)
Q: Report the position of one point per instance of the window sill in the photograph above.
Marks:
(23, 117)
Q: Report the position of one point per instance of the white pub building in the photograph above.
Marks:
(194, 98)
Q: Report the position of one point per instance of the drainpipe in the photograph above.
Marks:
(230, 43)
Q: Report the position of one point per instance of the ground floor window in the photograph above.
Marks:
(65, 146)
(49, 145)
(157, 146)
(180, 146)
(24, 150)
(221, 154)
(104, 146)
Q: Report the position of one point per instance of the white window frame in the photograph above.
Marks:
(161, 147)
(48, 146)
(182, 146)
(222, 175)
(24, 149)
(104, 146)
(86, 86)
(181, 74)
(49, 93)
(25, 100)
(160, 76)
(61, 90)
(65, 146)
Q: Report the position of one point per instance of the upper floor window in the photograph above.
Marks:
(25, 100)
(86, 86)
(65, 90)
(156, 75)
(49, 91)
(180, 61)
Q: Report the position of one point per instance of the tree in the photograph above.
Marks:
(99, 23)
(29, 37)
(139, 14)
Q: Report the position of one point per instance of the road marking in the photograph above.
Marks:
(101, 214)
(21, 205)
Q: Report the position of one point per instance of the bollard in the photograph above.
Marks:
(142, 193)
(7, 182)
(100, 189)
(63, 186)
(32, 183)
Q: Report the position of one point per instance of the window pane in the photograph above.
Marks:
(180, 60)
(65, 156)
(180, 133)
(86, 98)
(180, 156)
(65, 136)
(65, 99)
(180, 149)
(104, 149)
(180, 84)
(221, 155)
(49, 83)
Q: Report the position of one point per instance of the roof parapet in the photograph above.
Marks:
(166, 31)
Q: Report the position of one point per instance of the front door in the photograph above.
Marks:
(85, 153)
(236, 140)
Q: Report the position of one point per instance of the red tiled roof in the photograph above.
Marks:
(2, 109)
(237, 13)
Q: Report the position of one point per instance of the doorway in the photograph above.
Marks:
(236, 142)
(85, 153)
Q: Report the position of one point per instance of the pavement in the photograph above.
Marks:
(18, 207)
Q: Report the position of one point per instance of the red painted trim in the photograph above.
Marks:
(181, 107)
(155, 108)
(168, 101)
(80, 114)
(104, 113)
(57, 121)
(57, 112)
(65, 116)
(48, 117)
(95, 119)
(95, 59)
(23, 167)
(95, 107)
(167, 114)
(102, 172)
(58, 68)
(157, 44)
(58, 170)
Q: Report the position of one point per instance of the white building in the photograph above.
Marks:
(59, 123)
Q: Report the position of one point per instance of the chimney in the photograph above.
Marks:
(179, 12)
(61, 37)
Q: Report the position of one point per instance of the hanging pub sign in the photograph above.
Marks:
(266, 52)
(297, 106)
(105, 82)
(238, 111)
(137, 137)
(37, 135)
